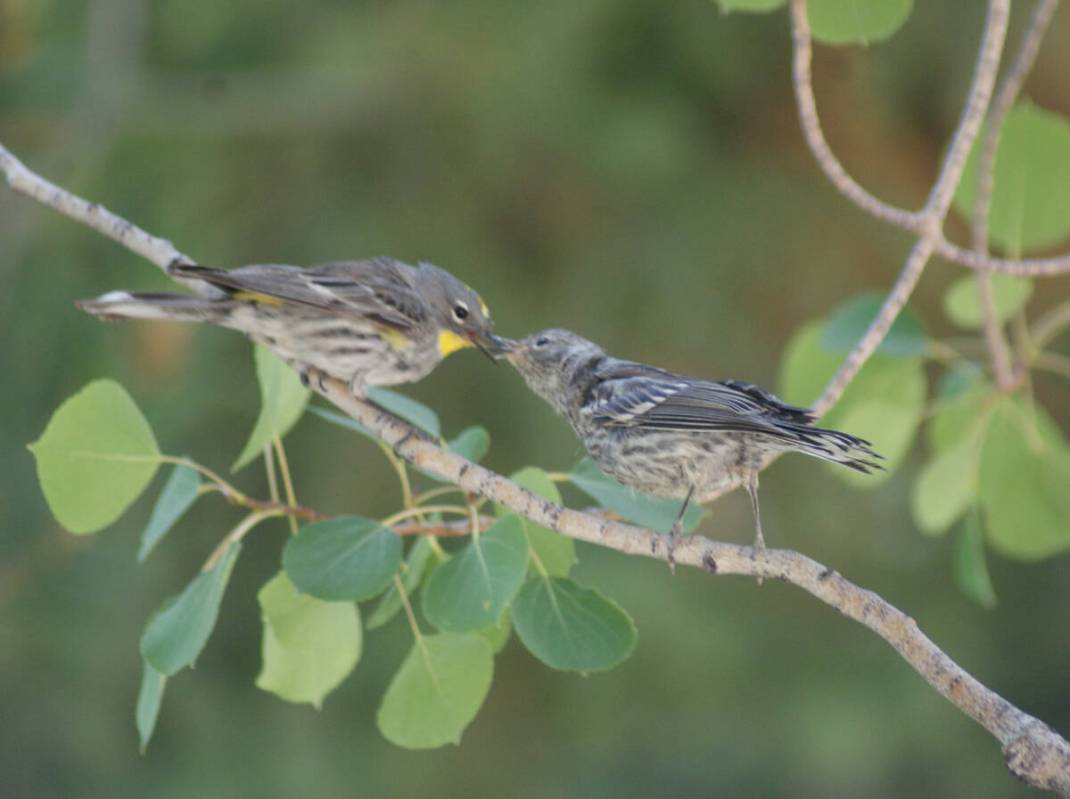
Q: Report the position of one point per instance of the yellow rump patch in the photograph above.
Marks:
(253, 296)
(448, 342)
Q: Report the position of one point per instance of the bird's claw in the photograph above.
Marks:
(674, 536)
(310, 374)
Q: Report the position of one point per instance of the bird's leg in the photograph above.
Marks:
(677, 527)
(752, 489)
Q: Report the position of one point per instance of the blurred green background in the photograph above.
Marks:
(631, 169)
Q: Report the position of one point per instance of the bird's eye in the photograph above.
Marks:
(542, 341)
(460, 311)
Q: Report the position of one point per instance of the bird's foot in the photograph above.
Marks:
(310, 376)
(674, 536)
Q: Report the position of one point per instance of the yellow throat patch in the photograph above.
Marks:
(448, 342)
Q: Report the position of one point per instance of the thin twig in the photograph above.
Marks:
(1052, 362)
(998, 348)
(939, 201)
(810, 122)
(1050, 325)
(1018, 267)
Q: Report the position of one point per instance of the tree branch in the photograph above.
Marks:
(914, 221)
(998, 348)
(159, 251)
(1019, 267)
(802, 78)
(1033, 751)
(930, 220)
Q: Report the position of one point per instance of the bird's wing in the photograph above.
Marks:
(380, 289)
(633, 395)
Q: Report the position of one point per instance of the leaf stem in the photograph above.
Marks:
(408, 513)
(433, 493)
(238, 533)
(272, 478)
(287, 481)
(403, 595)
(225, 488)
(402, 472)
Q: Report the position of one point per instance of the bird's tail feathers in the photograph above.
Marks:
(156, 305)
(832, 445)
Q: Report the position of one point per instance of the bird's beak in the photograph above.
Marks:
(500, 347)
(489, 344)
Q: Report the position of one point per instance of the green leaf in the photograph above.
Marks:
(962, 302)
(470, 591)
(345, 558)
(282, 401)
(1025, 471)
(473, 443)
(753, 6)
(856, 21)
(556, 552)
(95, 457)
(178, 494)
(412, 570)
(963, 414)
(180, 629)
(149, 698)
(883, 404)
(947, 485)
(655, 513)
(959, 380)
(1031, 181)
(309, 645)
(570, 627)
(437, 691)
(497, 635)
(413, 412)
(849, 322)
(971, 568)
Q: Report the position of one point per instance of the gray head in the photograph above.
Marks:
(461, 315)
(549, 361)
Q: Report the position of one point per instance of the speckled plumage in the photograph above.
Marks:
(667, 434)
(374, 322)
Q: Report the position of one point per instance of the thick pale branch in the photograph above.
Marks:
(159, 251)
(931, 220)
(1033, 751)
